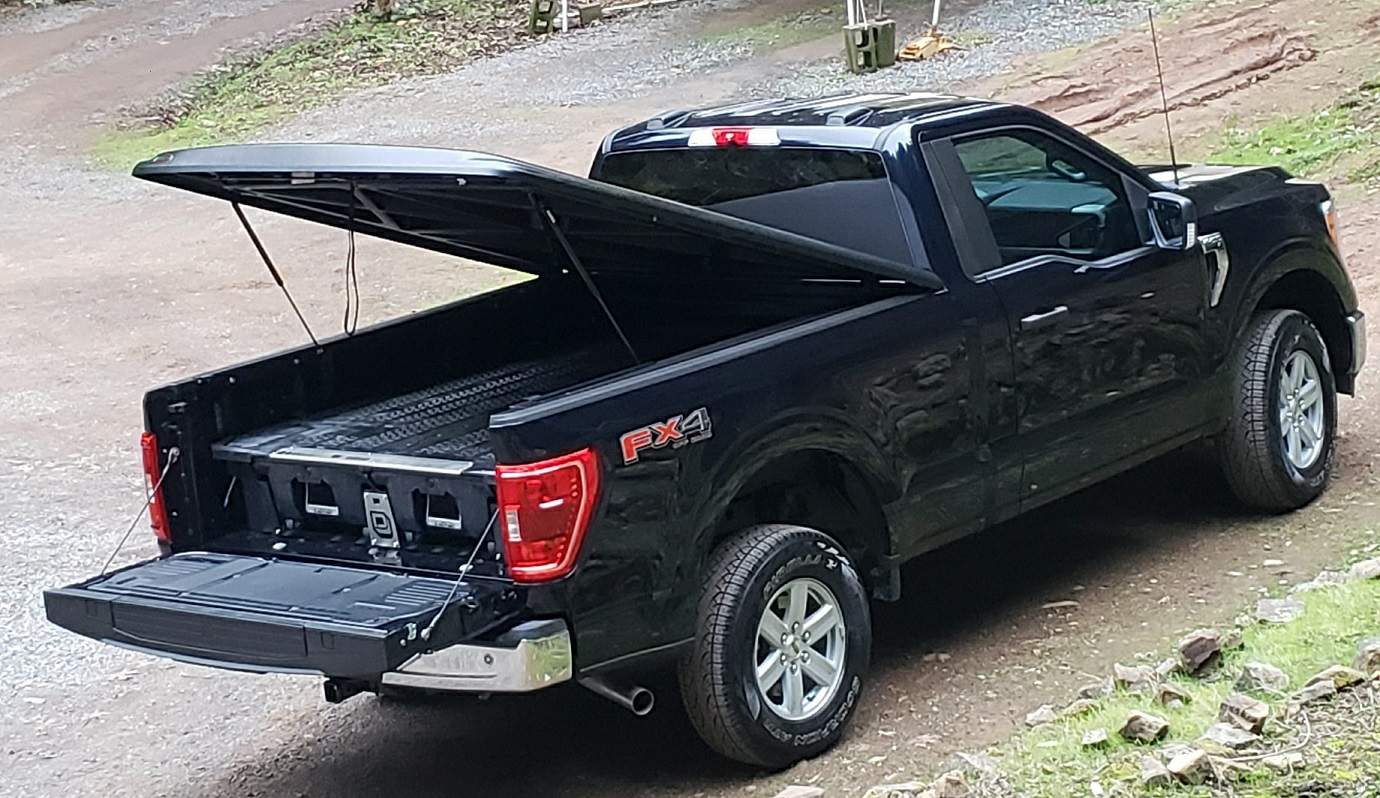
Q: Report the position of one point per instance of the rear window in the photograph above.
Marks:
(840, 197)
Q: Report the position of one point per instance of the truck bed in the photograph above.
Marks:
(447, 420)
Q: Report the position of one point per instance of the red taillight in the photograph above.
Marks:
(544, 509)
(158, 514)
(730, 137)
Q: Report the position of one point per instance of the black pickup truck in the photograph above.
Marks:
(772, 351)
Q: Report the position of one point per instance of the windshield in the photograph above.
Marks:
(841, 197)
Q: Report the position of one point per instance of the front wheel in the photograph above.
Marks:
(782, 644)
(1278, 449)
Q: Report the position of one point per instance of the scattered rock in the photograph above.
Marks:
(1322, 580)
(1232, 640)
(1097, 689)
(1261, 677)
(1142, 727)
(951, 785)
(1244, 713)
(1315, 691)
(1133, 678)
(1228, 769)
(1272, 563)
(1079, 708)
(909, 789)
(1167, 668)
(1226, 736)
(1285, 610)
(1283, 763)
(981, 763)
(1041, 716)
(1365, 569)
(1199, 650)
(1153, 773)
(800, 791)
(1059, 605)
(1170, 695)
(1095, 738)
(1191, 767)
(1340, 676)
(1168, 751)
(1368, 656)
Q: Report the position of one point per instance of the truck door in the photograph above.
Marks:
(1107, 330)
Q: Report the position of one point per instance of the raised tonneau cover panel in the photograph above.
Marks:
(264, 615)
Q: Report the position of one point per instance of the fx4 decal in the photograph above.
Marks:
(676, 431)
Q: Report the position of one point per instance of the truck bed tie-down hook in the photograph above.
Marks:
(173, 454)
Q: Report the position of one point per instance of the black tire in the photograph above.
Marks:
(717, 676)
(1252, 450)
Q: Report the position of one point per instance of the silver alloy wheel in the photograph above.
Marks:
(1302, 414)
(801, 644)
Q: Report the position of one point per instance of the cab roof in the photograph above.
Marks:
(856, 118)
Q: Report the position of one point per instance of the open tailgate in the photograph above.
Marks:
(500, 211)
(256, 614)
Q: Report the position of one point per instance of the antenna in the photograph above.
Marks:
(1164, 99)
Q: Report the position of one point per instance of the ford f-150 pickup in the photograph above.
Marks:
(771, 352)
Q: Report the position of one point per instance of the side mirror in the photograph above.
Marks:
(1173, 220)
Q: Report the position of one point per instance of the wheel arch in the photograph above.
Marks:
(1312, 282)
(820, 475)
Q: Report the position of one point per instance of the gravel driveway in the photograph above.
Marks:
(110, 287)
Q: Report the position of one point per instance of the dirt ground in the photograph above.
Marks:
(108, 288)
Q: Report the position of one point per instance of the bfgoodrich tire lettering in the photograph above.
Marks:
(1254, 451)
(718, 675)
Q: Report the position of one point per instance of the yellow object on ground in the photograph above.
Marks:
(931, 44)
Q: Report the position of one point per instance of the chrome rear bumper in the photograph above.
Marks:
(528, 657)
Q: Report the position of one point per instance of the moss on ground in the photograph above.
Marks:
(1340, 739)
(356, 51)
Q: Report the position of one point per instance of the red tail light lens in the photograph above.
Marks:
(544, 509)
(153, 469)
(730, 137)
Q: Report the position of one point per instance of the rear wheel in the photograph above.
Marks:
(783, 641)
(1281, 437)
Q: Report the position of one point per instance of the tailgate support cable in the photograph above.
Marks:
(550, 221)
(464, 569)
(173, 454)
(273, 270)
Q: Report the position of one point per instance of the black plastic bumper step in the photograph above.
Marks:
(275, 616)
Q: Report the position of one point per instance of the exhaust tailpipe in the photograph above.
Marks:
(636, 699)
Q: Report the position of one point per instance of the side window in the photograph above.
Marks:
(1043, 197)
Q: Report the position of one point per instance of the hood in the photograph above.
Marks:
(495, 210)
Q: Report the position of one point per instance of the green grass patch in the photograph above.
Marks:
(358, 51)
(783, 32)
(1340, 141)
(1051, 761)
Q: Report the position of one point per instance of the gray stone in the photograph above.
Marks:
(1232, 640)
(1365, 569)
(1041, 716)
(1142, 727)
(1199, 650)
(1323, 580)
(1261, 677)
(1168, 667)
(1244, 712)
(1191, 767)
(799, 791)
(1227, 737)
(1168, 751)
(1169, 695)
(951, 785)
(1097, 689)
(1079, 708)
(1340, 676)
(909, 789)
(1133, 678)
(1368, 656)
(1095, 738)
(1285, 610)
(1311, 693)
(1153, 773)
(1284, 763)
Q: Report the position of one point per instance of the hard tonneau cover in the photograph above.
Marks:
(498, 211)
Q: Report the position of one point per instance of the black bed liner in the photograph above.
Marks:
(265, 615)
(447, 420)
